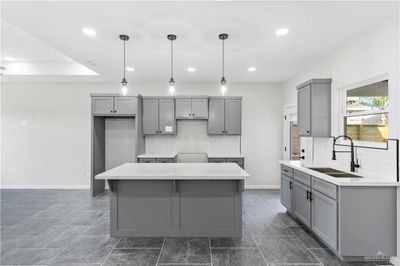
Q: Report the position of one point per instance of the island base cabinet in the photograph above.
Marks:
(176, 208)
(324, 218)
(302, 203)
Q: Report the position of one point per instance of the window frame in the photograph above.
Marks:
(344, 114)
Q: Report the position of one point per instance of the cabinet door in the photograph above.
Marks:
(302, 204)
(200, 108)
(125, 105)
(324, 218)
(216, 160)
(147, 160)
(233, 117)
(102, 105)
(287, 192)
(165, 160)
(183, 108)
(216, 117)
(238, 161)
(304, 110)
(150, 116)
(166, 116)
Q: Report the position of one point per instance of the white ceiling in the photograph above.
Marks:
(315, 29)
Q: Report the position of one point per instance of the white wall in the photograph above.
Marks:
(46, 129)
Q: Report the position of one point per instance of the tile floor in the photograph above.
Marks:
(68, 227)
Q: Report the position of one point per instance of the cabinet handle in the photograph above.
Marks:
(285, 170)
(193, 115)
(223, 131)
(308, 196)
(302, 157)
(290, 184)
(111, 111)
(308, 131)
(190, 114)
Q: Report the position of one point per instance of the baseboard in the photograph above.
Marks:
(44, 187)
(262, 186)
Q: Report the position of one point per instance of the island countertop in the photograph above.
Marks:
(175, 171)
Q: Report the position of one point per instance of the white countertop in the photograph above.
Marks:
(157, 155)
(175, 171)
(222, 155)
(364, 181)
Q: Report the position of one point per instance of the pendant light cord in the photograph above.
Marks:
(172, 60)
(124, 59)
(223, 58)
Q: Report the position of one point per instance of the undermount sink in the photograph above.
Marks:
(333, 172)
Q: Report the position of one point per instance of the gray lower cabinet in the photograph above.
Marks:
(314, 108)
(238, 161)
(165, 160)
(191, 108)
(287, 192)
(302, 203)
(224, 116)
(147, 160)
(114, 105)
(159, 116)
(324, 218)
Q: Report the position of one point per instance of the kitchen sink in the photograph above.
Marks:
(333, 172)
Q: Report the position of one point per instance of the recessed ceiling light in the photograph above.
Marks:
(191, 69)
(89, 32)
(282, 31)
(130, 69)
(9, 58)
(251, 69)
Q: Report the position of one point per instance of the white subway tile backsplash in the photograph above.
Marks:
(192, 137)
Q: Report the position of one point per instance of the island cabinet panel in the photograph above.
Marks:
(209, 205)
(216, 118)
(302, 203)
(324, 218)
(287, 192)
(102, 105)
(144, 208)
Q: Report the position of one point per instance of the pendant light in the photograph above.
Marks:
(124, 83)
(172, 38)
(223, 37)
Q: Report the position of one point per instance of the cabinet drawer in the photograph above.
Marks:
(216, 160)
(239, 161)
(147, 160)
(302, 177)
(324, 187)
(287, 171)
(165, 160)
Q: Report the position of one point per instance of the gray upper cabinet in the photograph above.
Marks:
(233, 117)
(102, 105)
(191, 108)
(314, 108)
(125, 105)
(224, 116)
(302, 202)
(114, 105)
(158, 116)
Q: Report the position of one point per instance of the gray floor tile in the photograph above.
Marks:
(288, 219)
(284, 249)
(185, 250)
(140, 242)
(31, 226)
(306, 237)
(86, 249)
(237, 257)
(133, 257)
(225, 242)
(99, 228)
(268, 226)
(29, 256)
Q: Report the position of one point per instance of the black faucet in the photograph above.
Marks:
(353, 165)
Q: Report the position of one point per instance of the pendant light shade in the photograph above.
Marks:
(223, 37)
(172, 38)
(124, 89)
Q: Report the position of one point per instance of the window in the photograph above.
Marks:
(366, 115)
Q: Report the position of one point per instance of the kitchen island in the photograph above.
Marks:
(176, 199)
